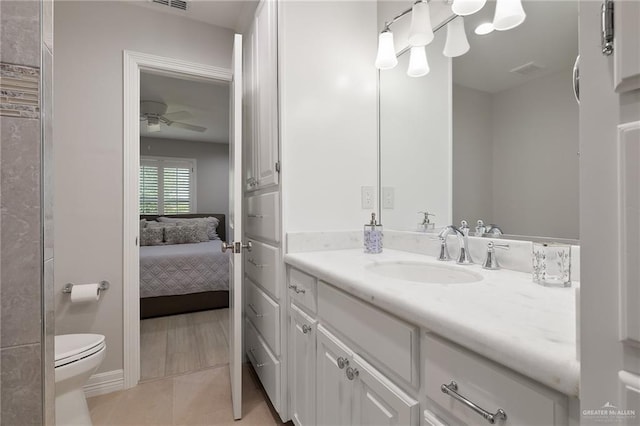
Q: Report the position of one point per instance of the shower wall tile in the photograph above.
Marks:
(20, 32)
(19, 91)
(21, 256)
(21, 399)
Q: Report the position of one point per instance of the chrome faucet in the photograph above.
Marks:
(494, 230)
(462, 233)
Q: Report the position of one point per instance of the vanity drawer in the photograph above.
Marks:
(390, 341)
(489, 386)
(260, 265)
(263, 212)
(303, 289)
(264, 363)
(264, 313)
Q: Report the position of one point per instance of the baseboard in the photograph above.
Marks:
(107, 382)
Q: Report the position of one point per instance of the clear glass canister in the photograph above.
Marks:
(552, 264)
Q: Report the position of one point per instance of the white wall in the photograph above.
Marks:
(473, 156)
(88, 100)
(415, 140)
(535, 158)
(328, 112)
(212, 168)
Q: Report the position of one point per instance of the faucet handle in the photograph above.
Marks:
(491, 261)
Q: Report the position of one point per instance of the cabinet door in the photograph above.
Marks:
(266, 149)
(333, 389)
(377, 401)
(302, 367)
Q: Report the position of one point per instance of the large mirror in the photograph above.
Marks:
(490, 135)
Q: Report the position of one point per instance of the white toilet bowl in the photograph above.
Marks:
(77, 356)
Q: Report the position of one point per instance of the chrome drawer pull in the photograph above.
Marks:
(352, 373)
(451, 390)
(255, 312)
(257, 216)
(253, 262)
(253, 355)
(342, 362)
(306, 328)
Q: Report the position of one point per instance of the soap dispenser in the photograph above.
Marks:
(373, 236)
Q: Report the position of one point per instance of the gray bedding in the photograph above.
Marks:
(169, 270)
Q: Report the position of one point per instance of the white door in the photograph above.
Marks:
(377, 401)
(610, 217)
(333, 389)
(235, 246)
(303, 368)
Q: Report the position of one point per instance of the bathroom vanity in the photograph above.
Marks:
(369, 349)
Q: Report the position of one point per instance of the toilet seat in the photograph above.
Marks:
(73, 347)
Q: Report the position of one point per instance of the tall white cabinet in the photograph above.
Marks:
(265, 307)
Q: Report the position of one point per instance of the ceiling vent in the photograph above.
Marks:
(528, 69)
(176, 4)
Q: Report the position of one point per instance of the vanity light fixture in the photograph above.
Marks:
(509, 14)
(386, 58)
(484, 28)
(420, 32)
(418, 65)
(467, 7)
(457, 43)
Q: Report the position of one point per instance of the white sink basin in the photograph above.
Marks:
(423, 272)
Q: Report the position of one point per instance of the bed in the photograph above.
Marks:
(181, 278)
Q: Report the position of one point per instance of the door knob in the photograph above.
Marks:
(226, 246)
(235, 246)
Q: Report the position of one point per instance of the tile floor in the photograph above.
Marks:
(197, 398)
(181, 343)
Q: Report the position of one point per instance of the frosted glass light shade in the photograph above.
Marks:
(509, 14)
(467, 7)
(420, 32)
(418, 65)
(386, 58)
(456, 44)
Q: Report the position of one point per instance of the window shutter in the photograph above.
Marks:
(177, 188)
(149, 189)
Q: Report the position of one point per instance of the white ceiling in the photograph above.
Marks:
(548, 37)
(232, 14)
(207, 102)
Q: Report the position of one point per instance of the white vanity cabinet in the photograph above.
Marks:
(302, 364)
(351, 392)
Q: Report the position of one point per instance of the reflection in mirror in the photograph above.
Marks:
(489, 135)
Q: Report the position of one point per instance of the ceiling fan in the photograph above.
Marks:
(155, 113)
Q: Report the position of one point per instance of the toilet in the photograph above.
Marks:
(77, 356)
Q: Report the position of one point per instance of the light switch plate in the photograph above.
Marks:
(367, 197)
(388, 197)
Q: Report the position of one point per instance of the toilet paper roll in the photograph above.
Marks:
(85, 293)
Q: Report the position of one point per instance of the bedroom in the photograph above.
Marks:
(184, 197)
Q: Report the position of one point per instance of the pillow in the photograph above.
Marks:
(151, 236)
(159, 225)
(202, 230)
(181, 234)
(212, 223)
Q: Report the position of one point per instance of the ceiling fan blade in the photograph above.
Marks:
(178, 115)
(186, 126)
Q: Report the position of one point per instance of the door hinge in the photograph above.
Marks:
(278, 166)
(606, 25)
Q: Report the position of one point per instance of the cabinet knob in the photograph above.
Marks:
(306, 328)
(293, 287)
(352, 373)
(300, 290)
(342, 362)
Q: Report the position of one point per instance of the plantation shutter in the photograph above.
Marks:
(166, 186)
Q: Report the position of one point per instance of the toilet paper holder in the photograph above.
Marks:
(104, 285)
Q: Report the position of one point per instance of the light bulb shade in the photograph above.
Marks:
(509, 14)
(467, 7)
(420, 32)
(386, 58)
(418, 65)
(456, 44)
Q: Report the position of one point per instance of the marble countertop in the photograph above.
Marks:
(504, 317)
